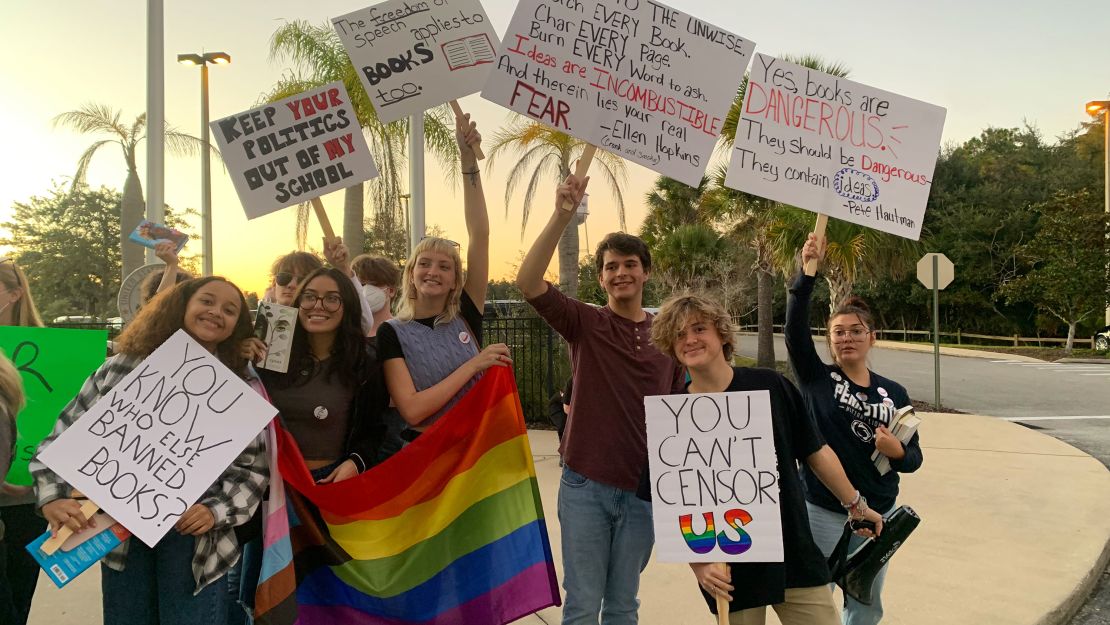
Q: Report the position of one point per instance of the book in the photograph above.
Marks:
(148, 234)
(274, 325)
(79, 551)
(903, 425)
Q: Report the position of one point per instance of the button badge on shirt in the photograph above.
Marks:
(464, 338)
(320, 412)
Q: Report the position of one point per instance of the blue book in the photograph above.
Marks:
(79, 551)
(148, 234)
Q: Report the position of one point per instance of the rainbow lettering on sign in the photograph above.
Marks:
(698, 543)
(735, 519)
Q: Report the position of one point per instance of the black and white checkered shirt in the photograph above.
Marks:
(232, 499)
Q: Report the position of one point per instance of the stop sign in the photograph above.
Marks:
(945, 270)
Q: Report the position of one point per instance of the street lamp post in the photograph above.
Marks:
(1094, 108)
(216, 58)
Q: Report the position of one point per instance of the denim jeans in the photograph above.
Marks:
(156, 587)
(607, 540)
(827, 527)
(18, 570)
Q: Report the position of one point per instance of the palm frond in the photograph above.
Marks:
(93, 117)
(84, 160)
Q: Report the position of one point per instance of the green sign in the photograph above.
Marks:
(54, 364)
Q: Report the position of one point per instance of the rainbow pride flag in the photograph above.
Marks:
(449, 532)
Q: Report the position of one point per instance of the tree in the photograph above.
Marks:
(318, 57)
(100, 119)
(544, 153)
(672, 204)
(1068, 279)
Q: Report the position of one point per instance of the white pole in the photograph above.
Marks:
(416, 178)
(205, 174)
(155, 115)
(1106, 188)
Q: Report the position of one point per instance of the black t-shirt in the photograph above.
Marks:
(389, 346)
(796, 438)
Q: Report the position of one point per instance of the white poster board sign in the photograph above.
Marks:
(293, 150)
(154, 444)
(714, 477)
(835, 146)
(638, 79)
(412, 56)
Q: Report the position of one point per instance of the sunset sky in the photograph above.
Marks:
(989, 63)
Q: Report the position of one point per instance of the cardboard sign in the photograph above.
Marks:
(412, 56)
(151, 446)
(53, 363)
(835, 146)
(293, 150)
(714, 477)
(639, 79)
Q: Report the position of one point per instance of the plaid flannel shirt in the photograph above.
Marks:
(232, 498)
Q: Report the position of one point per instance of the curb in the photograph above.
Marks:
(1087, 361)
(957, 352)
(1068, 608)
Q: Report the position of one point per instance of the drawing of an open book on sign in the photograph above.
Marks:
(468, 51)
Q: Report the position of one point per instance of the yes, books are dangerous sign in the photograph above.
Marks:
(293, 150)
(835, 146)
(151, 446)
(714, 477)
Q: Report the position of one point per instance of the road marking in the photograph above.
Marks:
(1095, 374)
(1081, 417)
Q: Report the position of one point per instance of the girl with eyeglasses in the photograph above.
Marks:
(431, 351)
(853, 407)
(182, 579)
(18, 572)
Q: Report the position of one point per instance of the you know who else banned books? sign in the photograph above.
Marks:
(294, 150)
(636, 78)
(151, 446)
(714, 477)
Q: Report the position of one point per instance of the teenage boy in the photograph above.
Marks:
(606, 530)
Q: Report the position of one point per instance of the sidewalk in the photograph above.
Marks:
(1014, 531)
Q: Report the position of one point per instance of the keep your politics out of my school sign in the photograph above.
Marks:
(714, 477)
(639, 79)
(835, 146)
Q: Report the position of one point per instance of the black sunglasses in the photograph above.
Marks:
(284, 278)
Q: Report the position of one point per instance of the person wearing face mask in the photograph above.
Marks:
(181, 580)
(18, 572)
(381, 281)
(852, 406)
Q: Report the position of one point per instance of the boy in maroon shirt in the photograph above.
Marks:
(606, 530)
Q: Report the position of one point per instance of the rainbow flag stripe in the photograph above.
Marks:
(449, 531)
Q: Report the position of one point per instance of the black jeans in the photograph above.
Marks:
(18, 570)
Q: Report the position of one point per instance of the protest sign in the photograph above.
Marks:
(294, 150)
(836, 147)
(714, 477)
(639, 79)
(53, 363)
(412, 56)
(151, 446)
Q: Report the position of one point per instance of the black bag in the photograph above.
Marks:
(856, 574)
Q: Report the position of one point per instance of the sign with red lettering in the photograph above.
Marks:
(835, 146)
(412, 56)
(152, 445)
(639, 79)
(293, 150)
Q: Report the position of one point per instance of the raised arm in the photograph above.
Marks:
(166, 251)
(805, 361)
(530, 277)
(474, 207)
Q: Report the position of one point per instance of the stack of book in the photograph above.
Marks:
(903, 425)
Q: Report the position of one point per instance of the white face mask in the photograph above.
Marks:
(375, 297)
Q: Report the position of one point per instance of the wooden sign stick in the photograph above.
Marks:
(88, 509)
(322, 217)
(582, 168)
(459, 113)
(819, 230)
(722, 603)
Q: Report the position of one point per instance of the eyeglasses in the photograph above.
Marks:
(284, 278)
(18, 282)
(448, 241)
(855, 333)
(331, 302)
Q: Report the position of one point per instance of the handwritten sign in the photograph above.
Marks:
(294, 150)
(835, 146)
(53, 363)
(151, 446)
(714, 477)
(412, 56)
(637, 78)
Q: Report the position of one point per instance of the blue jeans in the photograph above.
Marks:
(607, 541)
(156, 587)
(827, 527)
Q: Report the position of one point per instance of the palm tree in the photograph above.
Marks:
(100, 119)
(544, 153)
(672, 204)
(318, 57)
